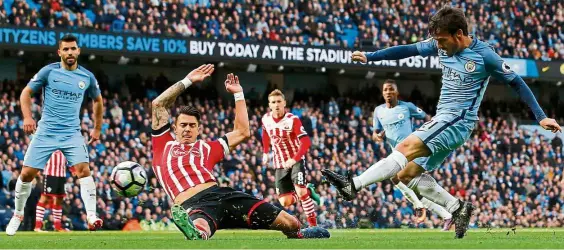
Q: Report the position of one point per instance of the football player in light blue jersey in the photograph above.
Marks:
(393, 123)
(65, 84)
(467, 64)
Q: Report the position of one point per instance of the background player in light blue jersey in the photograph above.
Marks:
(65, 84)
(393, 123)
(467, 65)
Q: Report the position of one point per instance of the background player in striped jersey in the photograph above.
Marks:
(392, 122)
(290, 142)
(54, 177)
(184, 167)
(65, 84)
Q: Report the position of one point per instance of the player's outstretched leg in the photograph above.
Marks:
(23, 190)
(380, 171)
(182, 220)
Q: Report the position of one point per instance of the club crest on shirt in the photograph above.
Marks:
(470, 66)
(177, 151)
(286, 126)
(81, 84)
(401, 116)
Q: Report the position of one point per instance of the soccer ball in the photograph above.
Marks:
(128, 178)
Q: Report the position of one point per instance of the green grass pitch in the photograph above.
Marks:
(246, 239)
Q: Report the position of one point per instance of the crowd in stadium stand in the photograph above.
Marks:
(514, 177)
(519, 29)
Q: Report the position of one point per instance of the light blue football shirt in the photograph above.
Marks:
(466, 75)
(396, 121)
(63, 93)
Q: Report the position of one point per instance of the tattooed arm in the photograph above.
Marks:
(162, 104)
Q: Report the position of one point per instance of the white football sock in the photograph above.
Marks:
(382, 170)
(409, 195)
(23, 190)
(88, 194)
(427, 187)
(435, 208)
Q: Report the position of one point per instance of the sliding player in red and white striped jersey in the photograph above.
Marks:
(290, 142)
(54, 174)
(184, 167)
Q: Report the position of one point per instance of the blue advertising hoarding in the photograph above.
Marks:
(128, 44)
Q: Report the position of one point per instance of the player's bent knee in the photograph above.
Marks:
(82, 170)
(412, 147)
(28, 173)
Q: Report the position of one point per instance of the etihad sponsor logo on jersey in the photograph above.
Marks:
(67, 95)
(396, 125)
(451, 74)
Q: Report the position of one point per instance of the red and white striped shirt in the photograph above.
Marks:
(284, 136)
(56, 165)
(179, 167)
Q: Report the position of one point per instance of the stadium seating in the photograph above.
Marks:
(512, 175)
(519, 29)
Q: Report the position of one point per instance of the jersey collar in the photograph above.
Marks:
(474, 42)
(276, 120)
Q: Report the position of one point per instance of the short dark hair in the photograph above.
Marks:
(68, 38)
(390, 81)
(189, 110)
(448, 19)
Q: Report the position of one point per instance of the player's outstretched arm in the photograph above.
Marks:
(423, 48)
(527, 96)
(161, 105)
(503, 72)
(29, 125)
(391, 53)
(241, 130)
